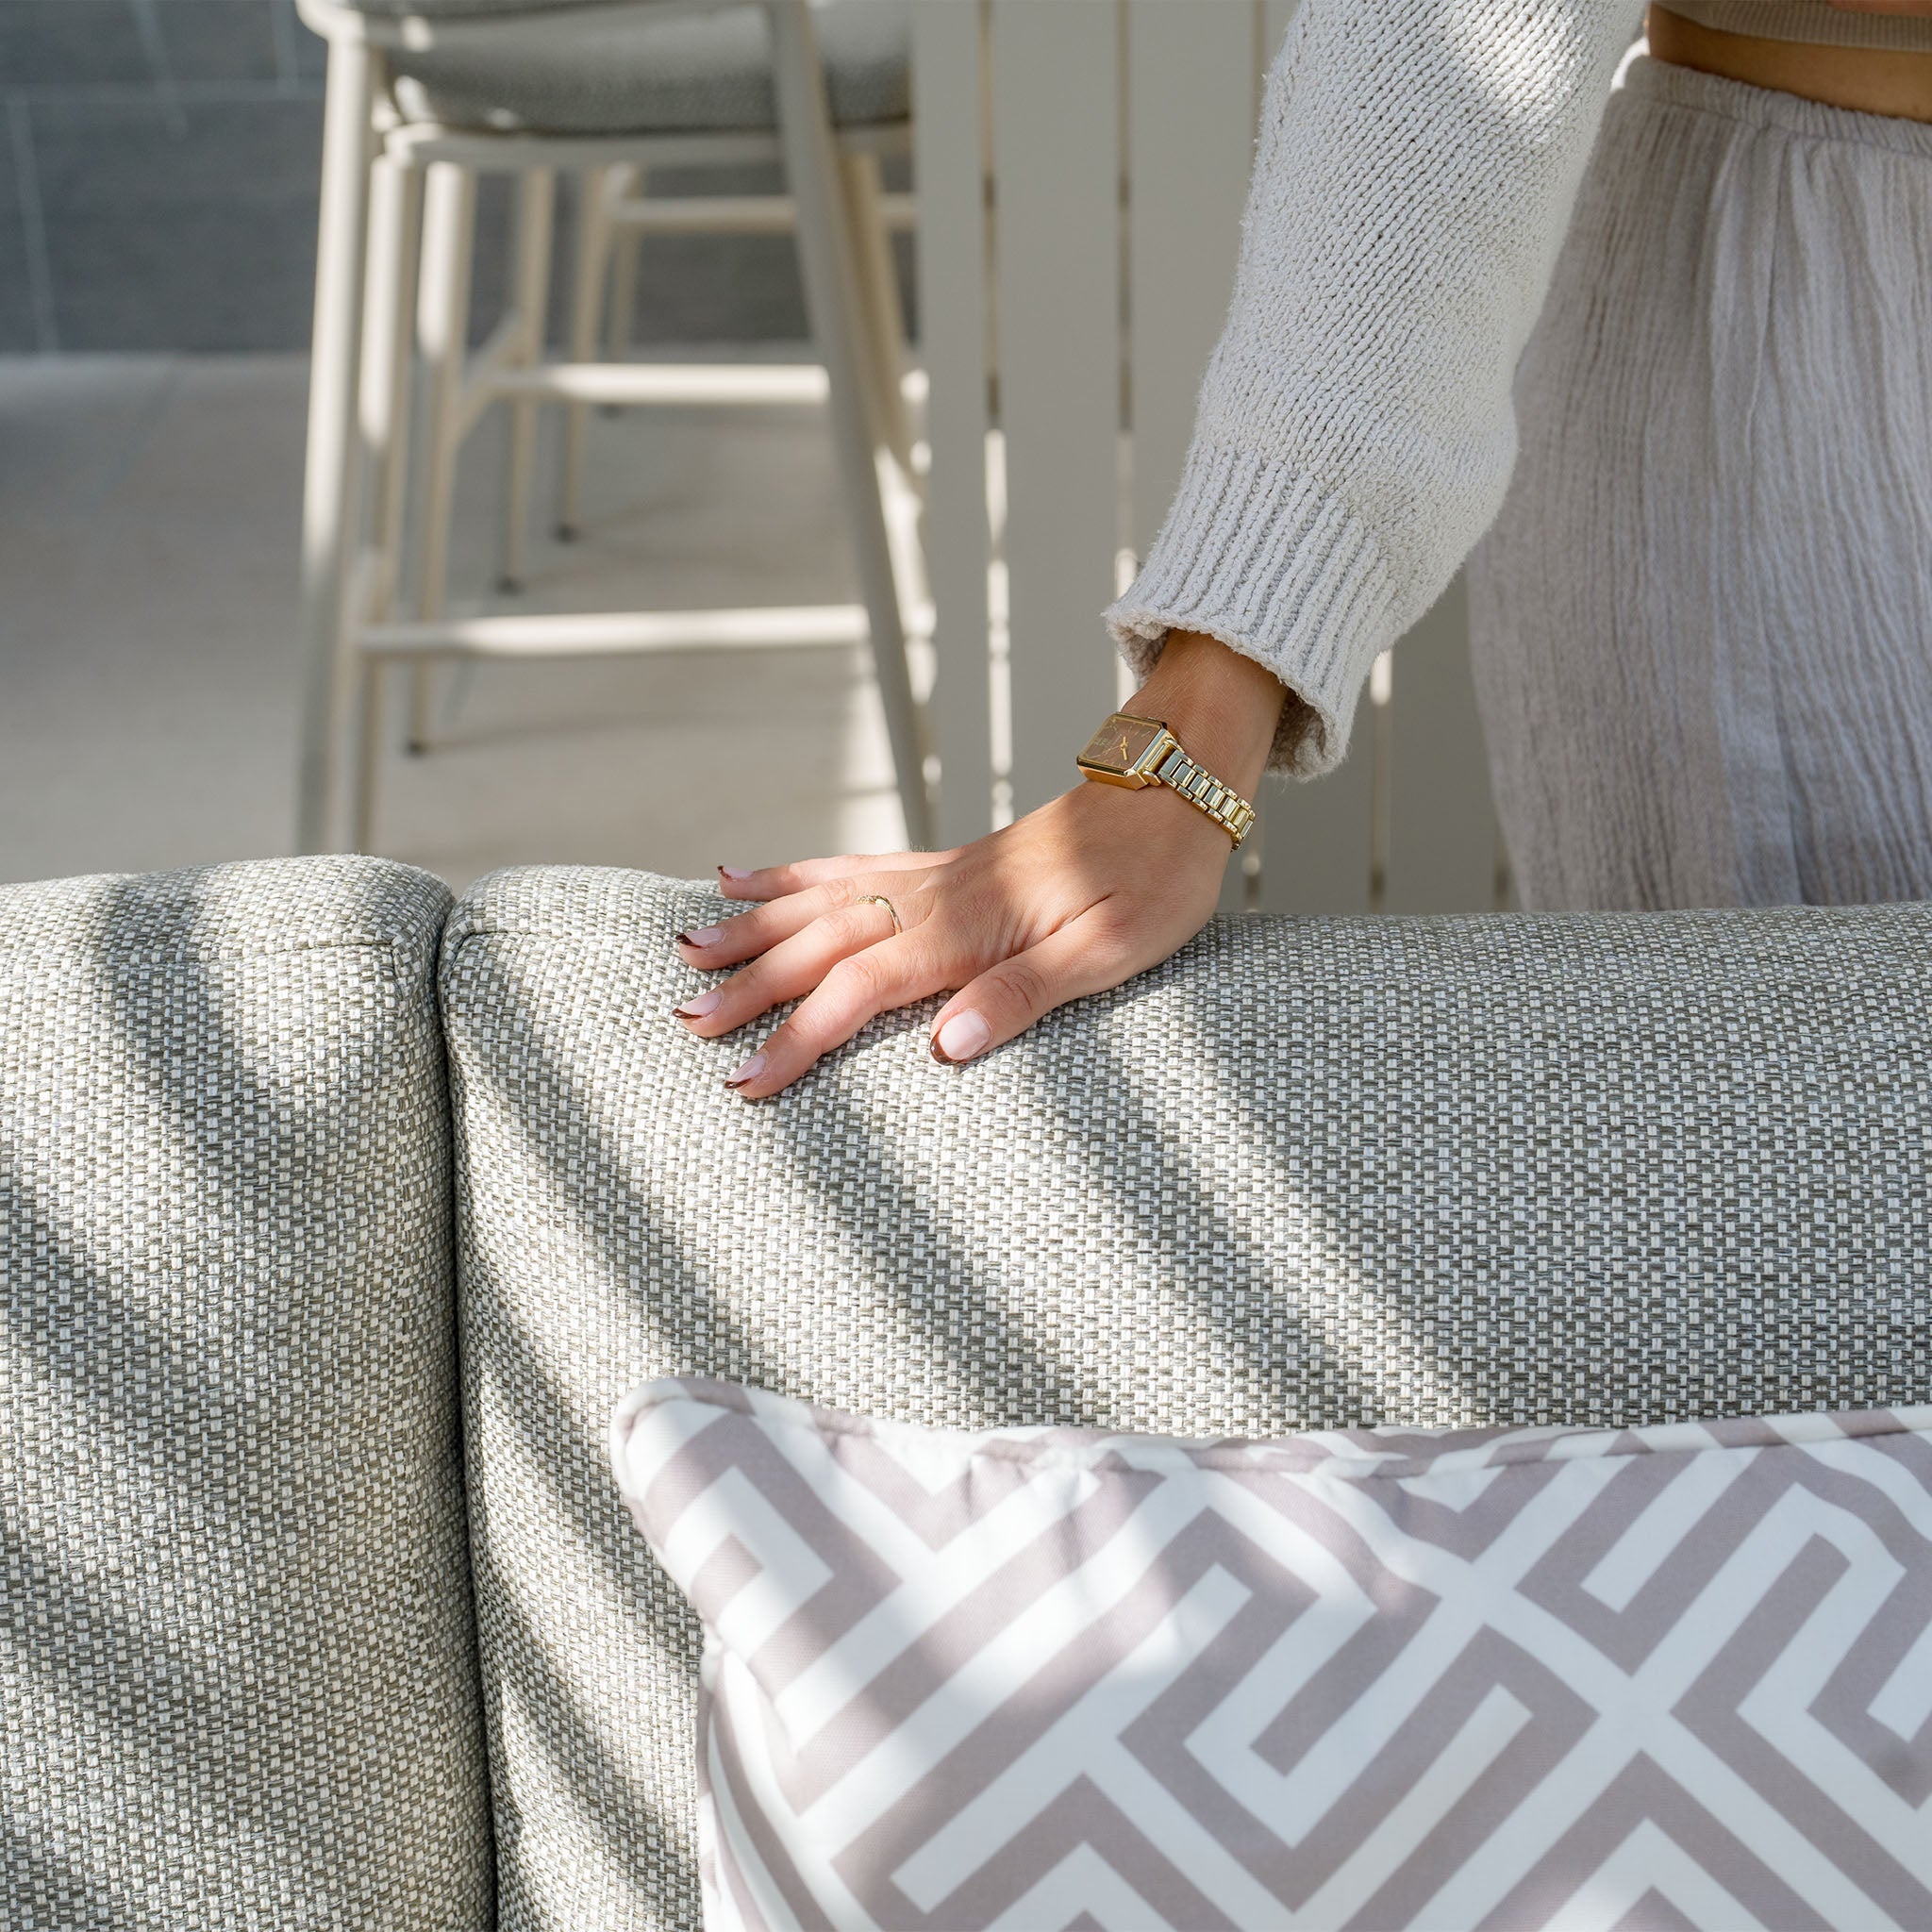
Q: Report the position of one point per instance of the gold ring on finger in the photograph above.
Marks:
(892, 910)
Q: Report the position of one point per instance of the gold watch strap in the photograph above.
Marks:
(1199, 787)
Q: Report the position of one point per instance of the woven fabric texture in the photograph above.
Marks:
(1585, 1169)
(652, 76)
(237, 1650)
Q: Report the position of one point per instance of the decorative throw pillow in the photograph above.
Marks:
(1043, 1679)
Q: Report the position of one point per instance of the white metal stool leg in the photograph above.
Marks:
(530, 299)
(873, 248)
(395, 226)
(395, 269)
(449, 230)
(836, 302)
(592, 263)
(331, 486)
(885, 366)
(625, 249)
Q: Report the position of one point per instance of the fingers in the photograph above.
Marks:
(1087, 954)
(774, 881)
(749, 934)
(788, 971)
(857, 989)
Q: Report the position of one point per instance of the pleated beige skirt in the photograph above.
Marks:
(1702, 624)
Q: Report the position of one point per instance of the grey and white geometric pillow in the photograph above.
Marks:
(1042, 1679)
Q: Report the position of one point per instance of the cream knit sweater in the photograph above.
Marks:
(1417, 163)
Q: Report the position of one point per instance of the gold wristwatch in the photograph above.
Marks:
(1142, 751)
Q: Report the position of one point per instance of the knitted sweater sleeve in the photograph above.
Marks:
(1353, 433)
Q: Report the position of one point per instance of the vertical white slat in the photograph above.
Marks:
(949, 168)
(1054, 70)
(332, 479)
(1317, 857)
(1190, 74)
(1190, 78)
(1442, 820)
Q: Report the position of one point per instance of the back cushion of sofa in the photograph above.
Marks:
(1587, 1168)
(237, 1647)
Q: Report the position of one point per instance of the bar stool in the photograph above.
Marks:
(420, 103)
(608, 273)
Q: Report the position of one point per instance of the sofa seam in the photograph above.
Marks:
(16, 958)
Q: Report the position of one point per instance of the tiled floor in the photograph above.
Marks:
(148, 664)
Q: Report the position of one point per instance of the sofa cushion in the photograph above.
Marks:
(1423, 1679)
(1531, 1169)
(237, 1649)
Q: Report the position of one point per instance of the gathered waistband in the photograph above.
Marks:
(1764, 107)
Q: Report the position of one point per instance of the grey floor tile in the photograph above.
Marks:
(691, 289)
(148, 657)
(307, 51)
(73, 423)
(219, 39)
(150, 664)
(195, 234)
(682, 508)
(18, 332)
(731, 288)
(72, 43)
(191, 227)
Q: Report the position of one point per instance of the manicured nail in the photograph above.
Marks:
(733, 872)
(960, 1038)
(705, 936)
(698, 1005)
(749, 1071)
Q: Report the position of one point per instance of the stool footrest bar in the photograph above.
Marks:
(615, 633)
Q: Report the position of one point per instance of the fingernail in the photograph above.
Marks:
(705, 936)
(698, 1005)
(960, 1038)
(749, 1071)
(733, 872)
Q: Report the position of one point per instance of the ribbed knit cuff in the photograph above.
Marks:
(1262, 557)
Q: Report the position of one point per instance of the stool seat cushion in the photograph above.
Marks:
(688, 72)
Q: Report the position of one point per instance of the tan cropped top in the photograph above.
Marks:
(1812, 21)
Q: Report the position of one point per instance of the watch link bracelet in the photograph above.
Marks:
(1127, 750)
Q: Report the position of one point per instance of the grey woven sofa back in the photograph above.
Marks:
(237, 1651)
(1527, 1169)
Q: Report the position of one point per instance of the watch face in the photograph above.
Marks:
(1120, 742)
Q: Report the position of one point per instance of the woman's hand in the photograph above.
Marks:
(1097, 885)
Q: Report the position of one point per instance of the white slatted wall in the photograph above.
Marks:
(1081, 167)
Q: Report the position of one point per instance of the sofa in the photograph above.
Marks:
(336, 1217)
